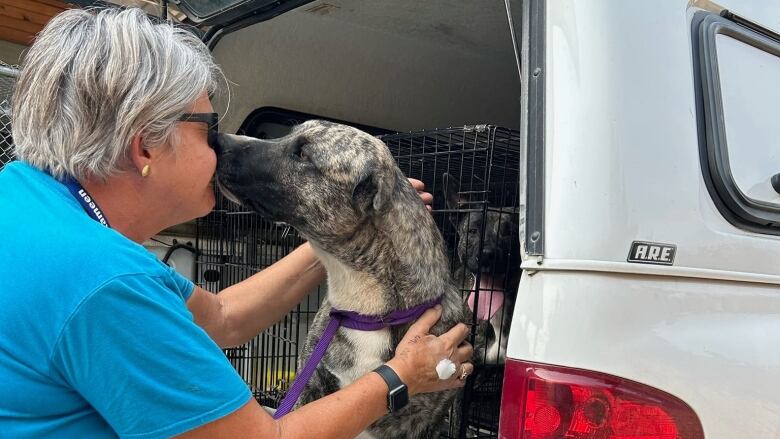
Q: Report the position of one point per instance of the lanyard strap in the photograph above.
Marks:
(87, 202)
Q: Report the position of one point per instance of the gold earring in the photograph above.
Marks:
(145, 171)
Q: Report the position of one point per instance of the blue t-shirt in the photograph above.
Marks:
(95, 336)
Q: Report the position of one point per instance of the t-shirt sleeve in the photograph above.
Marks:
(133, 351)
(183, 286)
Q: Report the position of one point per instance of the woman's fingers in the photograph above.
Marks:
(455, 336)
(417, 184)
(423, 324)
(427, 198)
(463, 353)
(418, 354)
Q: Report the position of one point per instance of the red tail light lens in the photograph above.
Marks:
(552, 402)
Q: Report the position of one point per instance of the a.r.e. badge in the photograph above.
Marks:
(652, 253)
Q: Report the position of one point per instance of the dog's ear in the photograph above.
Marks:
(451, 188)
(372, 191)
(452, 198)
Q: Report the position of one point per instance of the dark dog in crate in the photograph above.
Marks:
(341, 189)
(494, 259)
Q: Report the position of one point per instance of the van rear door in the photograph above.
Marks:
(235, 14)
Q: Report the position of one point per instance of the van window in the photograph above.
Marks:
(210, 12)
(272, 122)
(205, 9)
(750, 91)
(739, 70)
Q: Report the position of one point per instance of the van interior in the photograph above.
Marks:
(396, 66)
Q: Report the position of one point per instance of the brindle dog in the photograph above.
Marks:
(341, 189)
(495, 256)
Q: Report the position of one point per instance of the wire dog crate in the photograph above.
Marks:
(482, 162)
(234, 243)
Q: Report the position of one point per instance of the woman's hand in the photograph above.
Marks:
(419, 186)
(419, 352)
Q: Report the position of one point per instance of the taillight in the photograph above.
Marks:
(552, 402)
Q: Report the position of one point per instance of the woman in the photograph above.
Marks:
(98, 337)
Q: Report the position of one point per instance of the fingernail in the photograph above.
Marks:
(437, 307)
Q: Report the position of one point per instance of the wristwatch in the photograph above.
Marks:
(398, 396)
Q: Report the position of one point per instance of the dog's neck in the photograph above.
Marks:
(394, 261)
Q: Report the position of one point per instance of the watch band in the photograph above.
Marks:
(398, 394)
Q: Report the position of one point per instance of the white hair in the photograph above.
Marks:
(92, 80)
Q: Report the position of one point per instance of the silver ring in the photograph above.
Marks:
(463, 373)
(445, 369)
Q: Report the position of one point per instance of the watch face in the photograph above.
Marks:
(398, 398)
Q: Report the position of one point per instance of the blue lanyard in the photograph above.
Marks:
(82, 196)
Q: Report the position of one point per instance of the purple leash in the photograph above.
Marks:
(352, 320)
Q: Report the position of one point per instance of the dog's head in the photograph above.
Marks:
(323, 178)
(497, 251)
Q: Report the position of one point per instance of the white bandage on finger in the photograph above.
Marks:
(445, 369)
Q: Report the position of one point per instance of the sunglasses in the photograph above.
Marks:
(210, 119)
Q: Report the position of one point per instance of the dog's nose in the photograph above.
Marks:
(214, 142)
(222, 144)
(226, 144)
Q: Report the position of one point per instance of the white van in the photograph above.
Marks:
(648, 164)
(649, 305)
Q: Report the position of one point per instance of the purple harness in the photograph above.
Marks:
(352, 320)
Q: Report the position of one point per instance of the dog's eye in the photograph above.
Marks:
(300, 151)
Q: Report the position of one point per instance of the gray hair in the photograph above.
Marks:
(94, 79)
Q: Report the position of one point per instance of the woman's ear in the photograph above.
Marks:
(140, 156)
